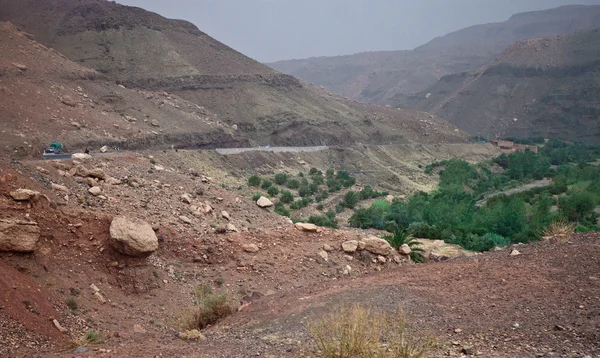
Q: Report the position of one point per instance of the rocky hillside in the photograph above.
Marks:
(547, 87)
(193, 77)
(376, 77)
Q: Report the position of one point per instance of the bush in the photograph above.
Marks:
(304, 191)
(286, 197)
(320, 207)
(359, 333)
(254, 181)
(318, 180)
(281, 209)
(313, 171)
(401, 237)
(209, 308)
(333, 185)
(293, 183)
(72, 303)
(273, 191)
(266, 184)
(350, 199)
(256, 196)
(280, 178)
(327, 220)
(321, 196)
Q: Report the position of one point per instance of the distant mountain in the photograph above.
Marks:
(376, 77)
(146, 52)
(548, 87)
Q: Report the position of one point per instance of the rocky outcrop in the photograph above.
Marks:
(132, 237)
(24, 194)
(18, 236)
(377, 246)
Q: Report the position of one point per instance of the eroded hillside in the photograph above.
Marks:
(543, 87)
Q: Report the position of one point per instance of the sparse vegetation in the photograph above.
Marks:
(209, 308)
(254, 180)
(273, 191)
(359, 333)
(256, 196)
(401, 237)
(560, 229)
(72, 303)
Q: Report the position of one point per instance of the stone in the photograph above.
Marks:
(389, 198)
(232, 228)
(18, 236)
(24, 194)
(186, 198)
(81, 156)
(95, 190)
(57, 325)
(94, 288)
(381, 259)
(250, 248)
(225, 215)
(467, 350)
(457, 330)
(20, 66)
(132, 237)
(103, 149)
(68, 100)
(159, 168)
(42, 170)
(264, 202)
(515, 252)
(307, 227)
(138, 329)
(327, 248)
(76, 125)
(350, 246)
(184, 219)
(193, 335)
(324, 255)
(130, 119)
(347, 270)
(100, 297)
(405, 250)
(97, 173)
(377, 246)
(154, 123)
(80, 349)
(61, 188)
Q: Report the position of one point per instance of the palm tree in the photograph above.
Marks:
(400, 237)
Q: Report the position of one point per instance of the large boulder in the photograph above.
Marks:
(307, 227)
(264, 202)
(132, 237)
(377, 246)
(24, 194)
(18, 236)
(350, 246)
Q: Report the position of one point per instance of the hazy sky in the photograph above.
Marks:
(271, 30)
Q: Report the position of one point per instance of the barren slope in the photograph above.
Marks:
(147, 52)
(377, 77)
(542, 87)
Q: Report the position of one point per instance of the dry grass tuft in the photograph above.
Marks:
(360, 333)
(209, 308)
(560, 229)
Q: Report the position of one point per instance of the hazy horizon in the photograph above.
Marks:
(274, 30)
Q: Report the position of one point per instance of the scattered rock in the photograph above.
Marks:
(18, 236)
(154, 123)
(264, 202)
(95, 190)
(377, 246)
(60, 328)
(104, 149)
(159, 168)
(76, 125)
(457, 330)
(61, 188)
(132, 237)
(515, 252)
(80, 349)
(389, 198)
(184, 219)
(323, 254)
(225, 215)
(327, 248)
(307, 227)
(68, 100)
(81, 156)
(20, 66)
(100, 297)
(468, 350)
(347, 270)
(42, 170)
(405, 250)
(186, 198)
(24, 194)
(350, 246)
(251, 248)
(231, 227)
(381, 259)
(138, 329)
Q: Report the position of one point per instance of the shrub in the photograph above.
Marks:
(560, 229)
(281, 178)
(359, 333)
(266, 184)
(286, 197)
(92, 337)
(313, 171)
(401, 237)
(254, 180)
(256, 196)
(351, 199)
(209, 308)
(327, 220)
(304, 191)
(329, 173)
(273, 191)
(293, 183)
(321, 196)
(318, 179)
(301, 175)
(333, 185)
(72, 303)
(320, 207)
(281, 209)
